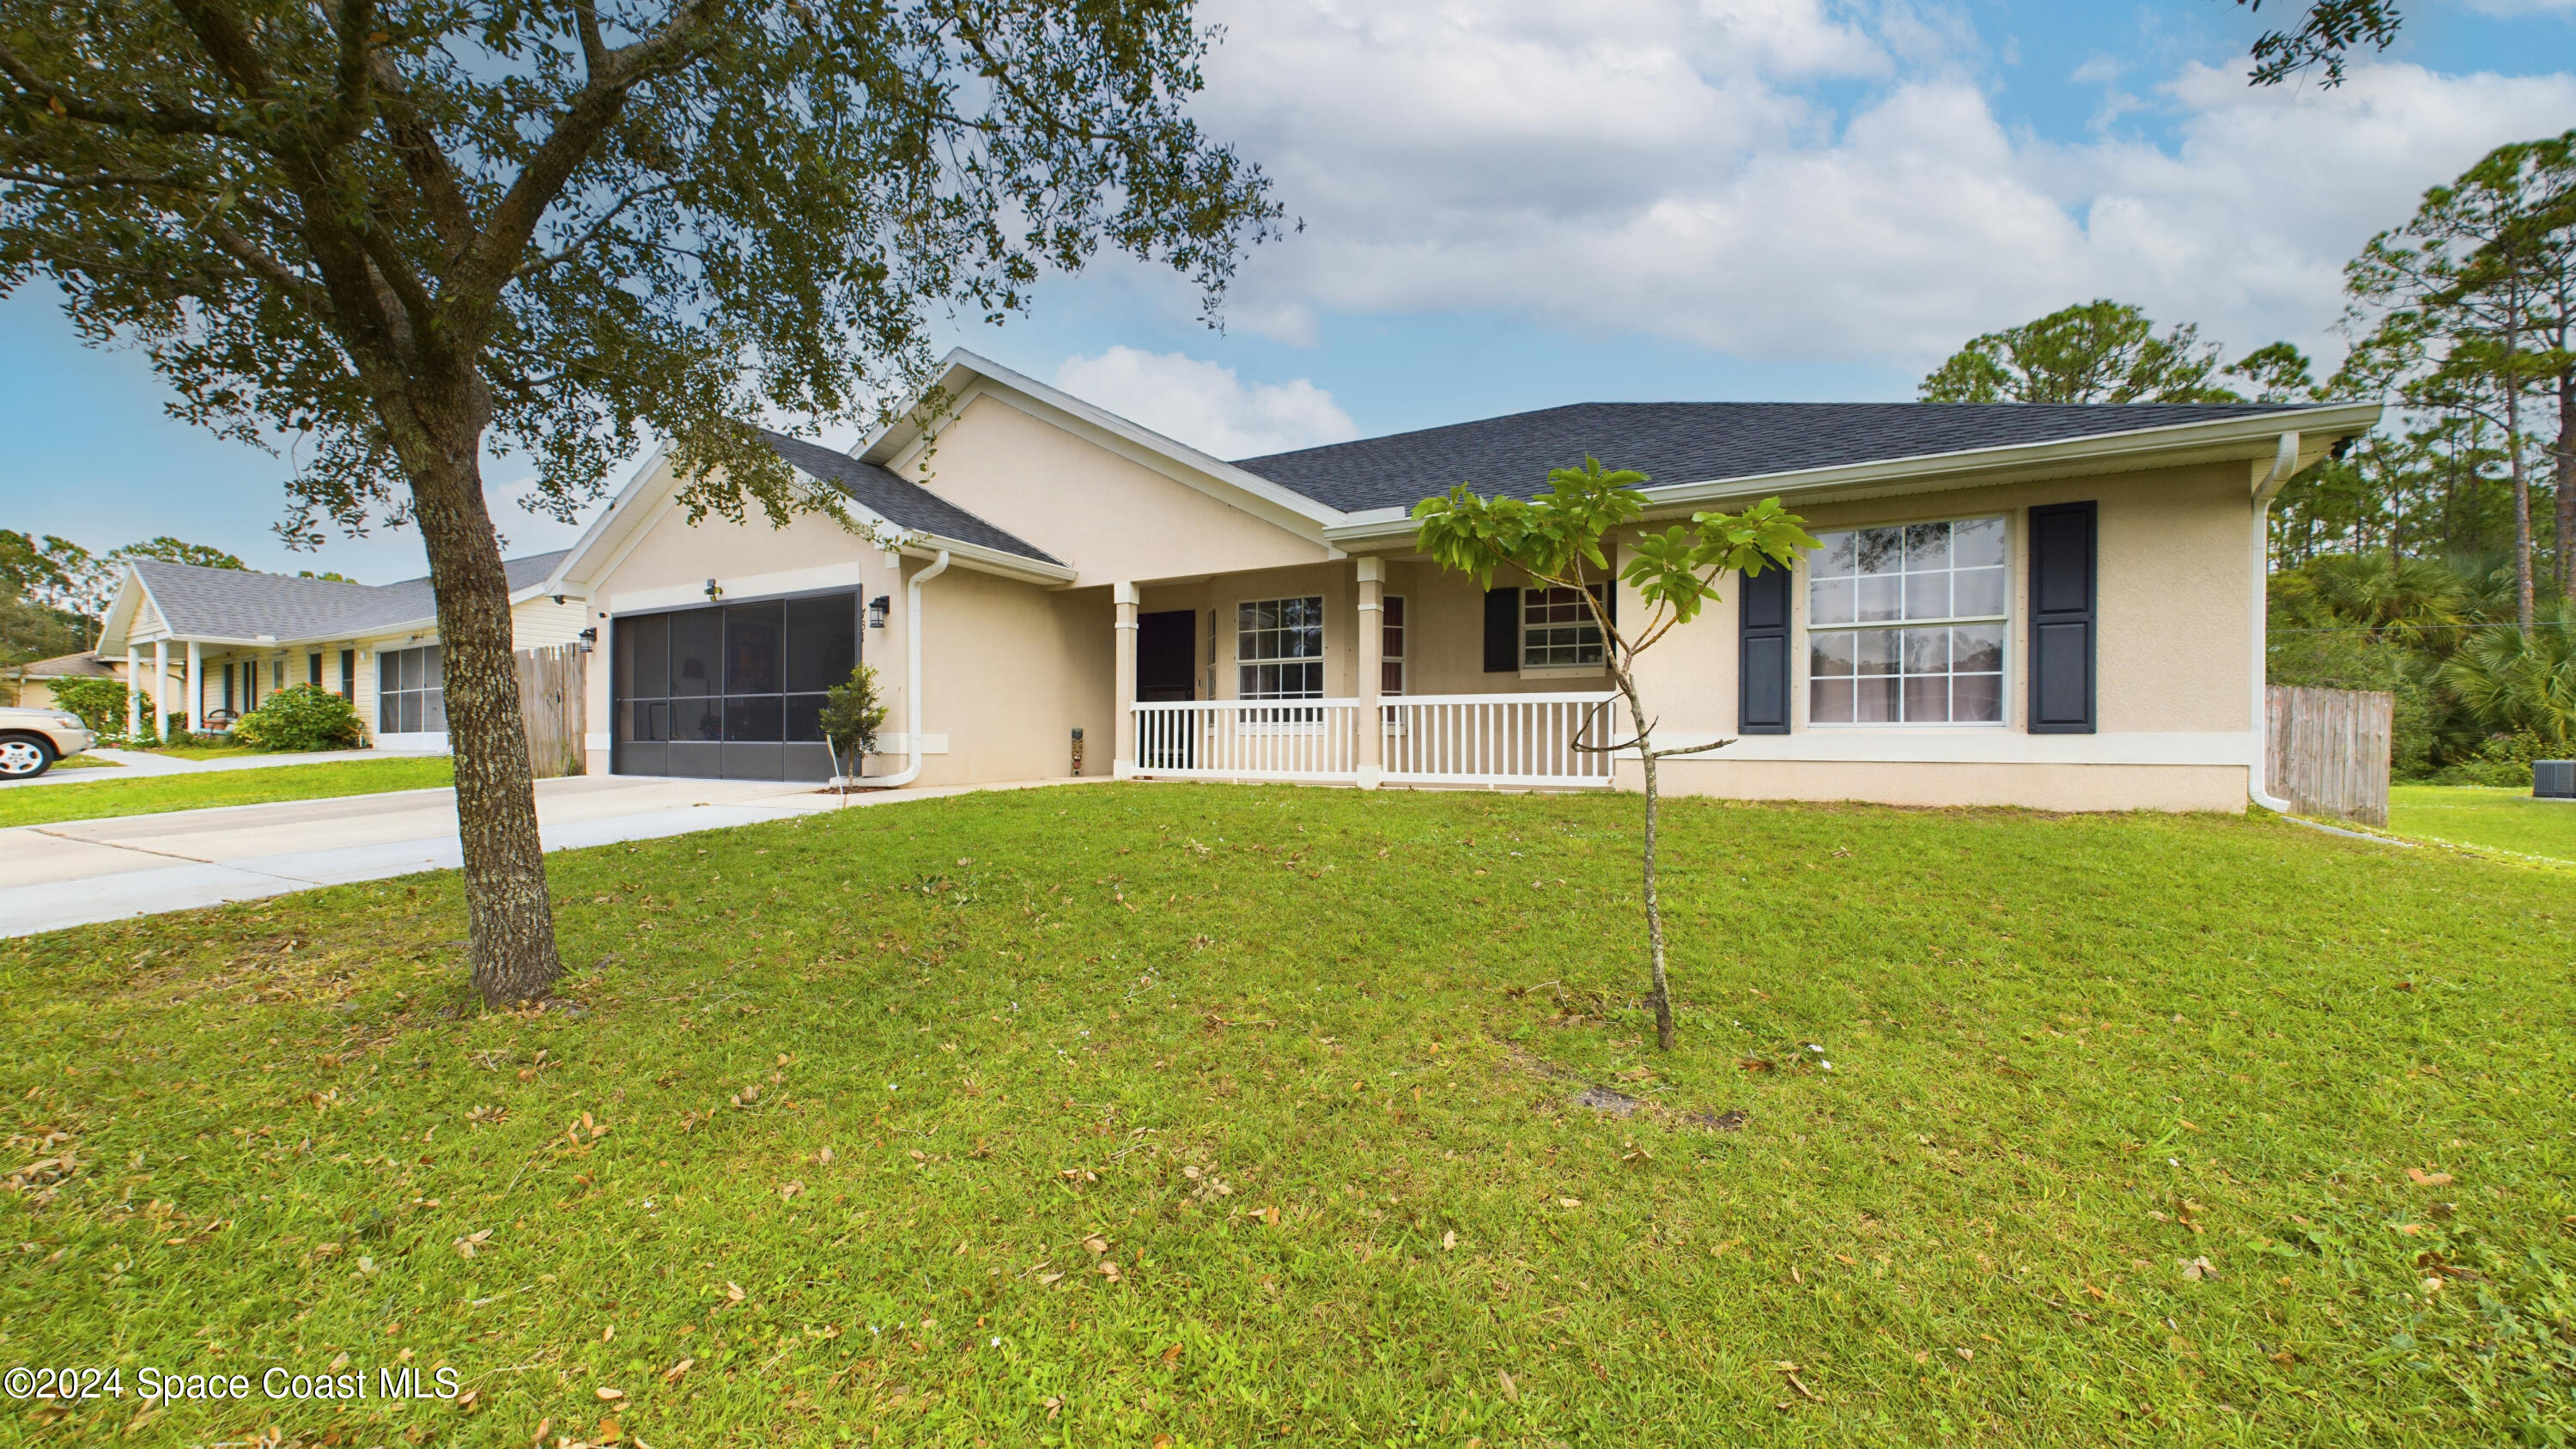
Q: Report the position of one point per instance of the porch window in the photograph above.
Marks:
(1558, 630)
(1391, 635)
(408, 692)
(1279, 649)
(1905, 625)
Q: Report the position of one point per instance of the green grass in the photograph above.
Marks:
(85, 762)
(840, 1099)
(226, 751)
(44, 805)
(2496, 819)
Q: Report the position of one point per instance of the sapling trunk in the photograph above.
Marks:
(1663, 997)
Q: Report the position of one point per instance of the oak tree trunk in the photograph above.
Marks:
(510, 933)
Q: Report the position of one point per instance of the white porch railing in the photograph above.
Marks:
(1227, 739)
(1456, 739)
(1499, 739)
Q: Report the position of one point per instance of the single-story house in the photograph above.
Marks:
(2050, 606)
(35, 679)
(221, 640)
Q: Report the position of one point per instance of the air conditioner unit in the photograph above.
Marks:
(2553, 779)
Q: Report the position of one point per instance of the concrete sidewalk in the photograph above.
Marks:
(85, 871)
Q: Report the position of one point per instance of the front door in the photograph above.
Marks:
(1167, 663)
(1167, 656)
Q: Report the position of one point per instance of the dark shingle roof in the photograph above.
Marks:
(1692, 443)
(899, 500)
(245, 603)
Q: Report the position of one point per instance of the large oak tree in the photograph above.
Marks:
(395, 235)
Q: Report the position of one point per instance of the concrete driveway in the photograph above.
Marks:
(86, 871)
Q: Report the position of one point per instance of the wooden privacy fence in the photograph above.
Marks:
(2326, 751)
(551, 700)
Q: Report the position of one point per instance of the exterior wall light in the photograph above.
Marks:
(877, 610)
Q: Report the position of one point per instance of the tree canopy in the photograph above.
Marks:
(2100, 352)
(614, 218)
(2325, 34)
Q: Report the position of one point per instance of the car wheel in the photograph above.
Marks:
(23, 757)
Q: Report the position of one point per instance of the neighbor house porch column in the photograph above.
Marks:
(1122, 761)
(133, 690)
(1372, 728)
(160, 683)
(196, 688)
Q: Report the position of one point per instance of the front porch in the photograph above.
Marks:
(1318, 675)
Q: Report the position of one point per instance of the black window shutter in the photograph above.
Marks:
(2063, 570)
(1502, 631)
(1762, 624)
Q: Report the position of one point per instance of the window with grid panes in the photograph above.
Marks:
(1279, 649)
(1905, 625)
(1391, 635)
(1558, 630)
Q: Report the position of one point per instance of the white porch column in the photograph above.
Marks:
(196, 688)
(160, 683)
(1372, 728)
(1123, 753)
(133, 690)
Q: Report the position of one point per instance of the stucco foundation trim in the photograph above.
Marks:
(2072, 788)
(1973, 746)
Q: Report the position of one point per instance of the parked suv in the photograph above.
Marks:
(32, 739)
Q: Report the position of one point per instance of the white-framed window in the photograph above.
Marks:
(1390, 675)
(1558, 630)
(1279, 648)
(408, 697)
(1906, 624)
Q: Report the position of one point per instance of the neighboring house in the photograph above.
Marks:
(218, 641)
(2052, 606)
(35, 679)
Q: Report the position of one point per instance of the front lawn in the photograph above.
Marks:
(92, 800)
(1091, 1116)
(2497, 819)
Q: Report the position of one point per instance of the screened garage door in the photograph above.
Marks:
(730, 691)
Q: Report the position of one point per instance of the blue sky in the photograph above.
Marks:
(1511, 204)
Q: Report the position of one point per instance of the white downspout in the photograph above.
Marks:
(912, 672)
(2285, 461)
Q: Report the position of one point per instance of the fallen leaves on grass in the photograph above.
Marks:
(2198, 1269)
(466, 1245)
(2421, 1178)
(1790, 1371)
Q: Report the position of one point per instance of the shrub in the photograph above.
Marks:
(2504, 760)
(852, 714)
(301, 717)
(100, 703)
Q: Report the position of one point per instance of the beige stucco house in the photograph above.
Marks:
(215, 642)
(2058, 607)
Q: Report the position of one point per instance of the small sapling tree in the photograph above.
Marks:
(1557, 540)
(853, 712)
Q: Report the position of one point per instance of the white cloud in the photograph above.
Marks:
(1785, 178)
(1204, 404)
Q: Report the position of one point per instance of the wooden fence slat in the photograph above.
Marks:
(553, 703)
(2326, 751)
